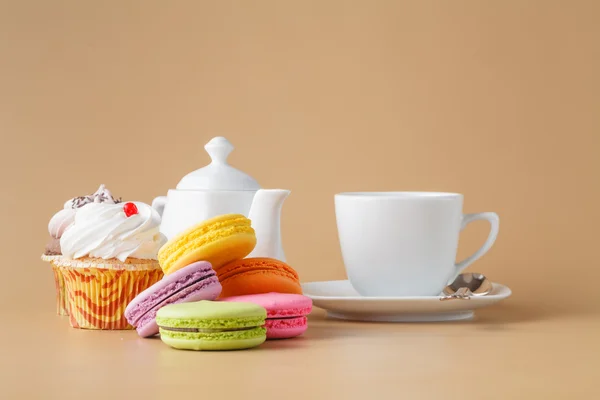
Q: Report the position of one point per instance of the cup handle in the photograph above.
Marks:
(159, 204)
(494, 221)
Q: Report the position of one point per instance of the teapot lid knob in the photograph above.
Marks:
(218, 149)
(218, 175)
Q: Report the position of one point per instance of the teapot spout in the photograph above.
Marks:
(265, 215)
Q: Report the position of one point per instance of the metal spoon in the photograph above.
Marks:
(466, 285)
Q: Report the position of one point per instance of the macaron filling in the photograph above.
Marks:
(170, 323)
(215, 337)
(286, 322)
(207, 330)
(288, 313)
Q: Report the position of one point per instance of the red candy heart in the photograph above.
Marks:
(130, 209)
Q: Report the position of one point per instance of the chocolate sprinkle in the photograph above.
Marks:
(102, 195)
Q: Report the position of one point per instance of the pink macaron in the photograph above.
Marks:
(286, 312)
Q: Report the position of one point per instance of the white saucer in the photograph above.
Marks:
(341, 301)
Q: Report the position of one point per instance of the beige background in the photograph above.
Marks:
(498, 100)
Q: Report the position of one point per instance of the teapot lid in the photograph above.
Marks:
(218, 175)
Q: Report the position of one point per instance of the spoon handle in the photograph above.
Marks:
(461, 294)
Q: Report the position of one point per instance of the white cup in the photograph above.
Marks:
(404, 243)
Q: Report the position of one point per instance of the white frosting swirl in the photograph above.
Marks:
(60, 222)
(65, 217)
(103, 230)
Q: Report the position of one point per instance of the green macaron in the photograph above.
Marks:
(212, 325)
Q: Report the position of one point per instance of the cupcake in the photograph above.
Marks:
(108, 258)
(58, 224)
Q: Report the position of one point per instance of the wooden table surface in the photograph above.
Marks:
(506, 352)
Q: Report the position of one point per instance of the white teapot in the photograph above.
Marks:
(219, 189)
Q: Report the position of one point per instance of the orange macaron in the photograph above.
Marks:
(257, 275)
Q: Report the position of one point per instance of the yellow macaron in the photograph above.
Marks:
(218, 240)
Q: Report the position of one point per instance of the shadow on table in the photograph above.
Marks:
(519, 313)
(498, 318)
(291, 343)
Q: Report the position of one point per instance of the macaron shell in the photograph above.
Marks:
(286, 328)
(286, 313)
(217, 342)
(210, 314)
(257, 276)
(219, 252)
(207, 289)
(219, 240)
(278, 305)
(256, 264)
(241, 325)
(168, 286)
(258, 282)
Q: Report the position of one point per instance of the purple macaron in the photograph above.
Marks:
(195, 282)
